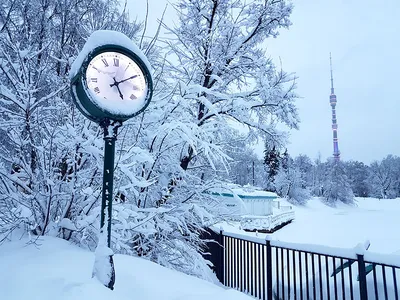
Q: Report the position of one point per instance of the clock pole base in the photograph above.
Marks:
(104, 264)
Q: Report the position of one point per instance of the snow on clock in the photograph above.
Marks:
(110, 78)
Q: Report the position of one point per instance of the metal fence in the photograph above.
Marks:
(275, 270)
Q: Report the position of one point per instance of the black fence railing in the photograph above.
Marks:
(274, 270)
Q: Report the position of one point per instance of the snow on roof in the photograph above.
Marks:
(249, 192)
(107, 37)
(244, 192)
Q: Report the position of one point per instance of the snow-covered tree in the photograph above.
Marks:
(290, 184)
(396, 174)
(358, 175)
(384, 177)
(224, 75)
(318, 177)
(337, 186)
(216, 74)
(285, 160)
(245, 167)
(50, 157)
(306, 168)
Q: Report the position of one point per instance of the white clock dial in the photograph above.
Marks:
(114, 78)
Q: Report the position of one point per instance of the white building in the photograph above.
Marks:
(239, 202)
(253, 209)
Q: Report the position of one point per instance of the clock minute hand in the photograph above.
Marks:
(116, 83)
(120, 94)
(123, 80)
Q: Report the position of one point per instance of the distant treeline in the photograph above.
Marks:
(380, 179)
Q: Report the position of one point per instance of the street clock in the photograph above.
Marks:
(112, 83)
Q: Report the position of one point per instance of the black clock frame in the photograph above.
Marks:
(84, 101)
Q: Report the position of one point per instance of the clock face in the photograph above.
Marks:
(116, 81)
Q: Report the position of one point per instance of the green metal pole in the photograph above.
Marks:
(110, 136)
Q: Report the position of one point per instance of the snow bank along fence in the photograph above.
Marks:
(275, 270)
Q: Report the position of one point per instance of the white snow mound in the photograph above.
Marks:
(51, 268)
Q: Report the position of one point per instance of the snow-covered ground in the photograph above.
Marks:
(344, 226)
(52, 269)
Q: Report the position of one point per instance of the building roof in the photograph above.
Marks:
(243, 193)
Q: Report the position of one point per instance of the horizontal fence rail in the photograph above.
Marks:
(266, 222)
(275, 270)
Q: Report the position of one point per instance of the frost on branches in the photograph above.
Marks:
(211, 74)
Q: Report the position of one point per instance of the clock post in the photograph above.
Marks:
(110, 131)
(110, 83)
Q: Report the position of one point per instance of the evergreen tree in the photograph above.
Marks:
(271, 162)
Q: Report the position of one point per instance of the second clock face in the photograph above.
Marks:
(116, 77)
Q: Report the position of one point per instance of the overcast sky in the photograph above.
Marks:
(364, 38)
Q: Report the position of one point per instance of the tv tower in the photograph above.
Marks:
(333, 101)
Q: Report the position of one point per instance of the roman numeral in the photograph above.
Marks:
(97, 90)
(116, 62)
(93, 79)
(104, 62)
(133, 97)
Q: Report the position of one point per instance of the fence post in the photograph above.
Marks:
(269, 269)
(221, 264)
(362, 276)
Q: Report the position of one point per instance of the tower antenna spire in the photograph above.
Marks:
(332, 89)
(333, 102)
